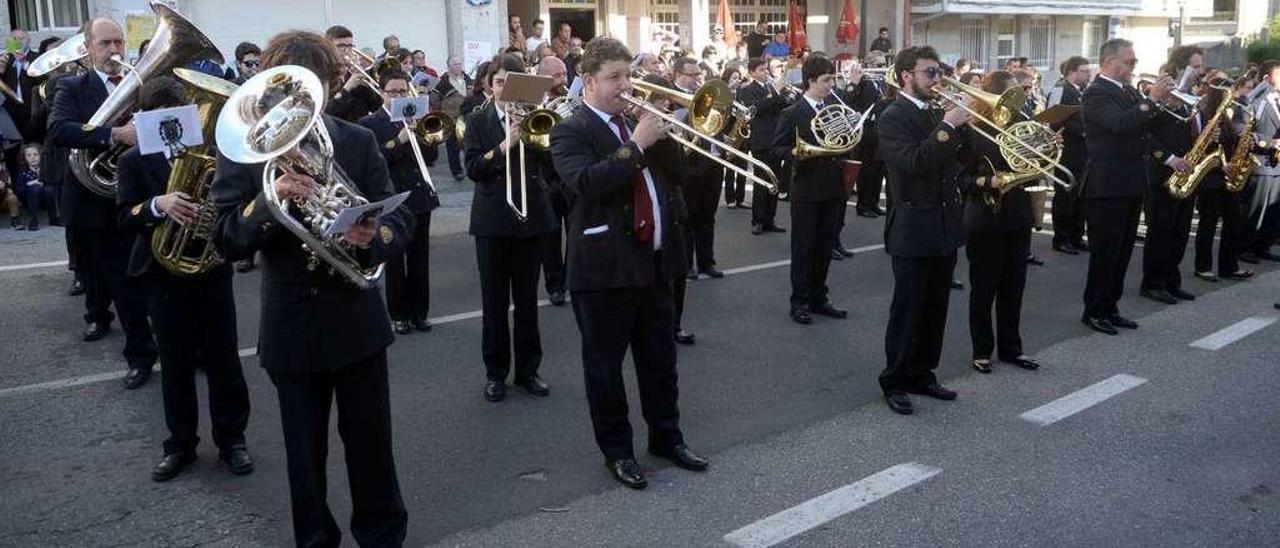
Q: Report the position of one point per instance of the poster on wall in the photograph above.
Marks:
(138, 26)
(475, 52)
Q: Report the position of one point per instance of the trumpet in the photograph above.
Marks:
(707, 117)
(1190, 100)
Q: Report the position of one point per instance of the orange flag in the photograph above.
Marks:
(725, 20)
(795, 29)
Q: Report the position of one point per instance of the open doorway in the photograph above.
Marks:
(582, 21)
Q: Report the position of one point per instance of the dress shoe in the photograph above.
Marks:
(867, 213)
(1100, 325)
(684, 337)
(682, 456)
(1269, 256)
(731, 205)
(712, 272)
(535, 385)
(556, 298)
(627, 472)
(784, 197)
(1239, 275)
(244, 266)
(1159, 295)
(1207, 276)
(1249, 257)
(494, 391)
(1066, 248)
(421, 324)
(136, 377)
(957, 285)
(1121, 321)
(401, 327)
(743, 205)
(836, 255)
(774, 228)
(829, 310)
(983, 365)
(757, 229)
(843, 250)
(172, 465)
(692, 275)
(899, 402)
(1033, 259)
(936, 391)
(96, 331)
(77, 288)
(1023, 362)
(1081, 246)
(878, 210)
(1182, 295)
(801, 315)
(237, 460)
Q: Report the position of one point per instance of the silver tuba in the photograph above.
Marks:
(275, 117)
(175, 43)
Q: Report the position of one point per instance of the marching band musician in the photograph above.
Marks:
(817, 196)
(1116, 119)
(768, 95)
(194, 315)
(1168, 218)
(553, 252)
(354, 100)
(701, 189)
(408, 273)
(1068, 220)
(321, 337)
(871, 91)
(997, 248)
(1262, 219)
(924, 226)
(1213, 200)
(619, 274)
(508, 249)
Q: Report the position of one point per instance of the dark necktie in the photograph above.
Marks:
(642, 218)
(115, 80)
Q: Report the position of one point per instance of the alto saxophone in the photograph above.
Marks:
(1183, 184)
(1242, 161)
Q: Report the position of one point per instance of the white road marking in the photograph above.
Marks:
(1082, 399)
(63, 383)
(31, 266)
(1234, 332)
(823, 508)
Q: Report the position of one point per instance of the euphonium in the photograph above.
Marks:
(1182, 184)
(1242, 162)
(175, 43)
(275, 117)
(188, 249)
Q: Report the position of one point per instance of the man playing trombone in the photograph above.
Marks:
(355, 99)
(702, 189)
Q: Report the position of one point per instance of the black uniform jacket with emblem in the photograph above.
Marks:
(75, 101)
(351, 106)
(1073, 145)
(1014, 213)
(406, 176)
(1115, 129)
(925, 181)
(604, 252)
(768, 104)
(815, 179)
(312, 320)
(490, 214)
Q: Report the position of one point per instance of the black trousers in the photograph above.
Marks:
(997, 276)
(1068, 217)
(106, 283)
(678, 286)
(702, 194)
(378, 517)
(917, 321)
(509, 275)
(1168, 230)
(1217, 204)
(735, 185)
(409, 275)
(1262, 219)
(764, 204)
(553, 250)
(813, 234)
(1113, 228)
(452, 150)
(640, 319)
(870, 181)
(195, 321)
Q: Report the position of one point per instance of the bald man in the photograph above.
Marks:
(553, 252)
(91, 216)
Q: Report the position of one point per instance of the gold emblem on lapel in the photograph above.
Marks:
(248, 210)
(390, 144)
(1158, 154)
(386, 234)
(1144, 107)
(943, 136)
(137, 210)
(88, 127)
(624, 153)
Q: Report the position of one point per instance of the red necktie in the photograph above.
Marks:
(115, 80)
(643, 210)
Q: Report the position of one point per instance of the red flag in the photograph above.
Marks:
(795, 29)
(847, 32)
(725, 20)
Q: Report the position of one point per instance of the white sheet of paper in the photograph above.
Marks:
(575, 88)
(409, 108)
(181, 124)
(352, 215)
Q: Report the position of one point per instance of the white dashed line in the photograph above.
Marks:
(1080, 400)
(1234, 332)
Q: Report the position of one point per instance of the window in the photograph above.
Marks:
(1040, 42)
(1006, 39)
(50, 14)
(974, 37)
(1095, 33)
(667, 20)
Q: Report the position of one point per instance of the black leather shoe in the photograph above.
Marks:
(1239, 275)
(774, 228)
(899, 402)
(244, 266)
(1208, 277)
(1100, 325)
(136, 377)
(801, 315)
(535, 385)
(1066, 248)
(983, 365)
(682, 456)
(692, 275)
(829, 310)
(494, 391)
(836, 255)
(867, 213)
(237, 460)
(1159, 295)
(172, 465)
(936, 391)
(712, 272)
(401, 327)
(77, 288)
(757, 229)
(421, 324)
(1081, 246)
(1249, 257)
(878, 211)
(1182, 295)
(844, 251)
(1121, 321)
(556, 298)
(627, 472)
(684, 337)
(96, 331)
(1023, 362)
(957, 285)
(1033, 259)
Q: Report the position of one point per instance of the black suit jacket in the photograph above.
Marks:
(75, 101)
(490, 214)
(311, 320)
(1115, 129)
(445, 86)
(401, 163)
(813, 180)
(768, 105)
(18, 80)
(1169, 136)
(1015, 207)
(351, 106)
(601, 173)
(925, 181)
(1073, 145)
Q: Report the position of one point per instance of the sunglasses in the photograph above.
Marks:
(931, 72)
(252, 64)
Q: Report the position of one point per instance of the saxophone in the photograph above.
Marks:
(1183, 184)
(1242, 162)
(188, 249)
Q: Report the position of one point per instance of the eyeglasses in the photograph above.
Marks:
(252, 64)
(692, 74)
(931, 72)
(396, 92)
(344, 46)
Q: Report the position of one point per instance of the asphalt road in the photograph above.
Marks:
(802, 450)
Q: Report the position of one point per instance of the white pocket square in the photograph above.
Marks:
(595, 230)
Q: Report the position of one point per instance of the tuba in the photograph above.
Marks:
(175, 43)
(275, 117)
(1182, 184)
(188, 249)
(1242, 162)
